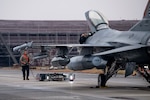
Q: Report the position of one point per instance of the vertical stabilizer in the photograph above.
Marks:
(147, 10)
(144, 24)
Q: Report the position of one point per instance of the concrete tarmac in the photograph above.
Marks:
(12, 87)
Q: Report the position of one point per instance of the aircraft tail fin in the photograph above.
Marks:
(147, 10)
(144, 24)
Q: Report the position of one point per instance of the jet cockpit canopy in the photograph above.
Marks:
(96, 20)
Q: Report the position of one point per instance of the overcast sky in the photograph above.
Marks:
(70, 9)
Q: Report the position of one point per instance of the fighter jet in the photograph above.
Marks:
(109, 49)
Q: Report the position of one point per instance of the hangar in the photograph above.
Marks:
(17, 32)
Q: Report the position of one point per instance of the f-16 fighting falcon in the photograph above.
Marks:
(109, 49)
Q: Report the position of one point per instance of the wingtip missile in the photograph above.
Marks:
(23, 46)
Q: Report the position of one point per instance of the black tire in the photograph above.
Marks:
(101, 80)
(42, 77)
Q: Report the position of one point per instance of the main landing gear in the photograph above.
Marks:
(144, 70)
(108, 73)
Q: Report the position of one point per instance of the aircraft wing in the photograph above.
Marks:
(103, 45)
(65, 49)
(79, 45)
(120, 50)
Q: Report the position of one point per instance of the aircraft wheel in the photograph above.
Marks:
(101, 80)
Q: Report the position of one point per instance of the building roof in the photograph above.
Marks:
(77, 26)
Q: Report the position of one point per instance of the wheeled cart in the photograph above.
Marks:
(55, 77)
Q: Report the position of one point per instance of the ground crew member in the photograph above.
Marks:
(24, 61)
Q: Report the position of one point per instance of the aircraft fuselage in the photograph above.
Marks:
(124, 38)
